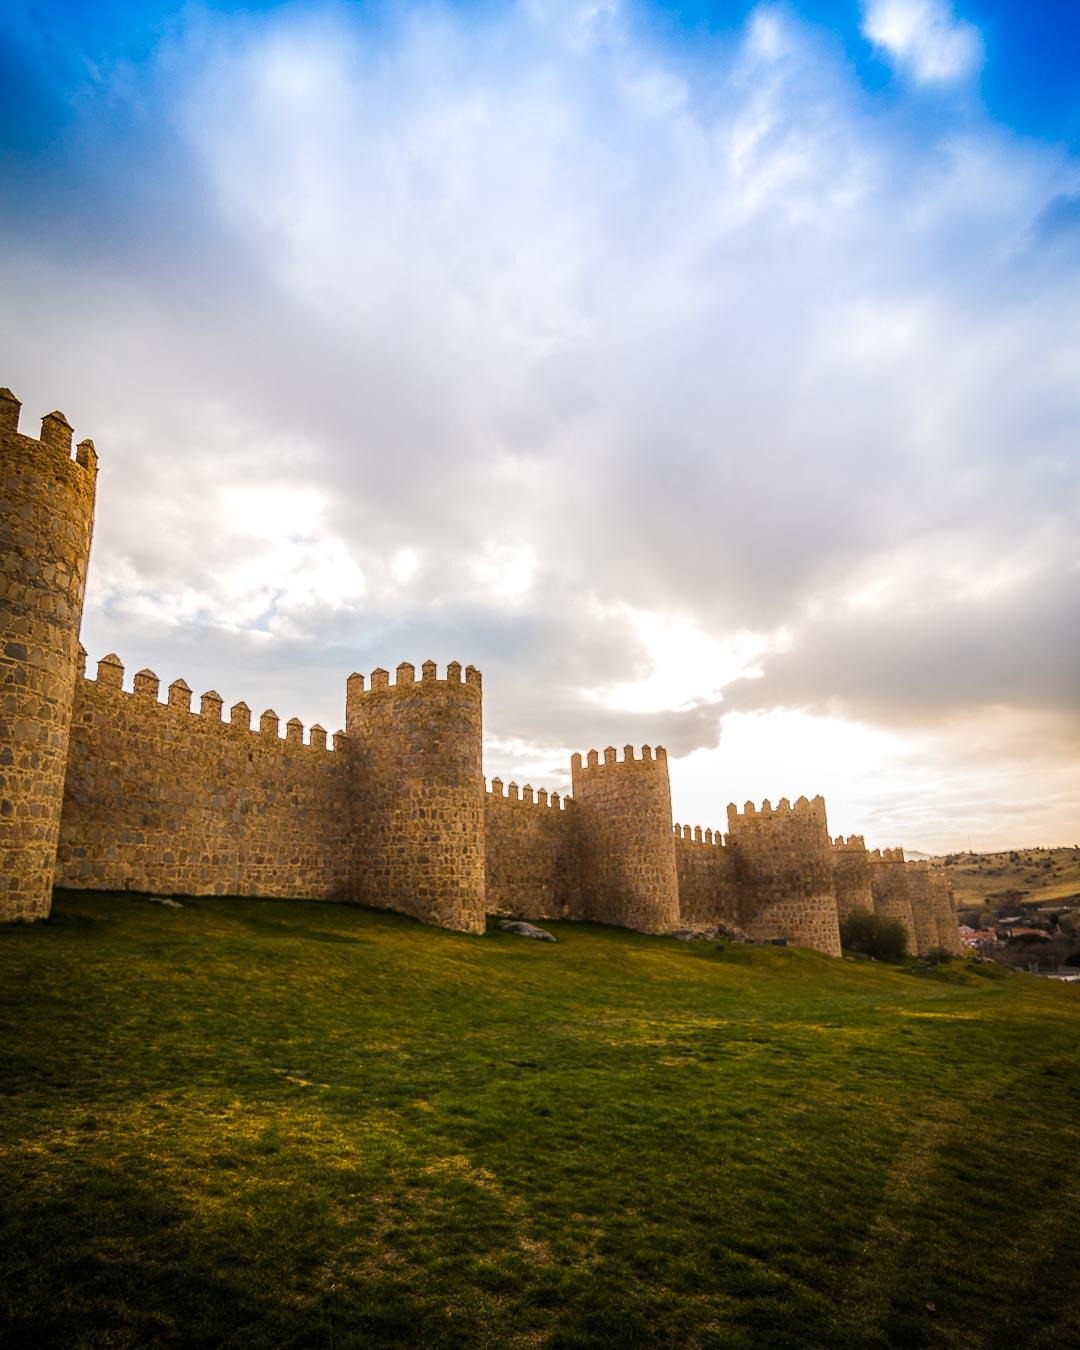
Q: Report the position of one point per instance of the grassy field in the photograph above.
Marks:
(274, 1124)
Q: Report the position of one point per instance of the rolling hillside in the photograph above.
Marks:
(279, 1124)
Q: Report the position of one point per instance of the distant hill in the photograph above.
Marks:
(1034, 876)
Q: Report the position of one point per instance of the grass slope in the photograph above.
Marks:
(272, 1124)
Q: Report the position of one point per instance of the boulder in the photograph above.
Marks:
(527, 930)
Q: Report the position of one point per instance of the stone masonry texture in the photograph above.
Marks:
(46, 521)
(706, 869)
(111, 784)
(889, 884)
(417, 751)
(923, 917)
(531, 854)
(853, 888)
(626, 848)
(785, 873)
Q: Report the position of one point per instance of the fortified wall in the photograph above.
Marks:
(113, 787)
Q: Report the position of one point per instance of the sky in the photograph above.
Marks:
(707, 375)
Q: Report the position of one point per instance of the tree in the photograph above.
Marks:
(874, 935)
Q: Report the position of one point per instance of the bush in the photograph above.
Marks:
(874, 935)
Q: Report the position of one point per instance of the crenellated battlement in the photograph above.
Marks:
(886, 855)
(379, 682)
(708, 838)
(145, 692)
(854, 843)
(525, 796)
(55, 441)
(810, 807)
(610, 758)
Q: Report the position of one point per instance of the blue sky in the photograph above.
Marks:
(707, 375)
(1027, 79)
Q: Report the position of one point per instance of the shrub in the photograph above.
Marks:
(874, 935)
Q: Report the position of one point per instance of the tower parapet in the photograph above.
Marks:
(48, 498)
(419, 791)
(622, 809)
(785, 872)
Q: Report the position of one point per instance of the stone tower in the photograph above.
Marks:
(785, 872)
(419, 791)
(622, 812)
(889, 882)
(945, 914)
(47, 506)
(923, 917)
(853, 889)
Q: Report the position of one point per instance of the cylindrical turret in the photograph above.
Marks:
(944, 906)
(785, 873)
(853, 890)
(46, 522)
(889, 882)
(622, 810)
(923, 916)
(418, 772)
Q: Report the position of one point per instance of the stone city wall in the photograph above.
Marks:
(103, 787)
(531, 853)
(706, 871)
(168, 801)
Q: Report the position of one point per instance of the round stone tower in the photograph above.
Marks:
(889, 883)
(853, 890)
(785, 873)
(416, 747)
(948, 928)
(47, 520)
(622, 814)
(923, 916)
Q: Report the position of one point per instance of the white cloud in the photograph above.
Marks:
(521, 338)
(924, 38)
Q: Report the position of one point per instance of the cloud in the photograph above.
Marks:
(670, 388)
(924, 39)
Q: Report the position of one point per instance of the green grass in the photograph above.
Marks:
(260, 1123)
